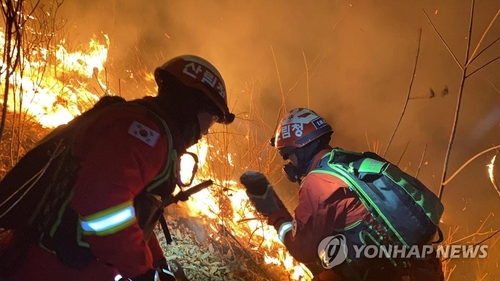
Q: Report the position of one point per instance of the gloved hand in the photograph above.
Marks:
(260, 192)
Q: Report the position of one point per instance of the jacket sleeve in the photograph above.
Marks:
(313, 219)
(119, 161)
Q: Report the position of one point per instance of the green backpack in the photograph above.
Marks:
(407, 210)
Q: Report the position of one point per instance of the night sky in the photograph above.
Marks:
(350, 61)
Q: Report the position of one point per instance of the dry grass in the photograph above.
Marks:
(15, 144)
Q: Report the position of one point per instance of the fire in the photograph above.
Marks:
(492, 175)
(241, 222)
(52, 86)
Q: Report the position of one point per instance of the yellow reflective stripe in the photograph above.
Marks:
(284, 229)
(109, 221)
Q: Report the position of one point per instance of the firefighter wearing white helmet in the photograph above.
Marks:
(300, 135)
(326, 204)
(125, 157)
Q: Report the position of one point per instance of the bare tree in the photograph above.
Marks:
(14, 18)
(30, 33)
(469, 58)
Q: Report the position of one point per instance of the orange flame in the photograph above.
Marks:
(56, 98)
(52, 84)
(204, 203)
(491, 166)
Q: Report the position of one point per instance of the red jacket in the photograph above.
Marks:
(121, 152)
(325, 204)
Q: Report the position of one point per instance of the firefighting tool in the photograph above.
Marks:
(183, 195)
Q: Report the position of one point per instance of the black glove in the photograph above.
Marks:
(161, 274)
(260, 192)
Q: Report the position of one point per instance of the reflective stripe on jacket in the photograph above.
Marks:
(109, 221)
(121, 154)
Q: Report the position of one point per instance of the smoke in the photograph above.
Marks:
(350, 61)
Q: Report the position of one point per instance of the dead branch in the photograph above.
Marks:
(421, 161)
(403, 153)
(460, 92)
(473, 57)
(408, 93)
(443, 41)
(467, 62)
(486, 48)
(307, 79)
(246, 253)
(483, 66)
(468, 162)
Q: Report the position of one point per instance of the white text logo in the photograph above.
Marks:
(332, 250)
(420, 252)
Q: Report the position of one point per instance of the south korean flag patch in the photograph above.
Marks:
(144, 133)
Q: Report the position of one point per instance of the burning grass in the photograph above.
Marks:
(217, 234)
(240, 236)
(213, 252)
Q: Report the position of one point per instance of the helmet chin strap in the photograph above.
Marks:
(191, 135)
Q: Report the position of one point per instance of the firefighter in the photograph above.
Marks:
(326, 204)
(105, 230)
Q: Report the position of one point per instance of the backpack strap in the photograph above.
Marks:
(154, 212)
(440, 236)
(170, 164)
(169, 167)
